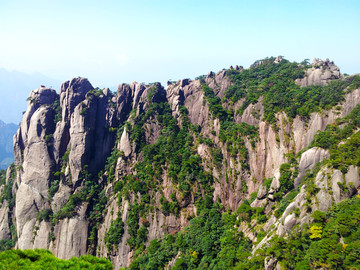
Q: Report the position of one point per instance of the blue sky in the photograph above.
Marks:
(111, 42)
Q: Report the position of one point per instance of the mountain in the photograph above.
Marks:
(252, 168)
(7, 131)
(15, 87)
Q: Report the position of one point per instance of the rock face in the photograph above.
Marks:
(76, 149)
(4, 221)
(308, 161)
(82, 135)
(321, 73)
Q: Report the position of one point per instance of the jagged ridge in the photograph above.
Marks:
(178, 150)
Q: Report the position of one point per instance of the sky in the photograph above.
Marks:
(112, 42)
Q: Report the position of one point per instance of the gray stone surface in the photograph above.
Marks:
(4, 221)
(124, 144)
(321, 73)
(308, 161)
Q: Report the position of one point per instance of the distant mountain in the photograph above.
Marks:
(7, 132)
(15, 87)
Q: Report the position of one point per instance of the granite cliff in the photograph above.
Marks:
(105, 173)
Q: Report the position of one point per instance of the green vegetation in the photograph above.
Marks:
(44, 259)
(330, 242)
(54, 187)
(169, 207)
(95, 92)
(215, 106)
(203, 244)
(115, 233)
(6, 194)
(90, 192)
(333, 134)
(267, 183)
(57, 109)
(212, 241)
(345, 154)
(44, 215)
(231, 133)
(284, 203)
(286, 179)
(84, 109)
(276, 83)
(138, 234)
(247, 213)
(172, 152)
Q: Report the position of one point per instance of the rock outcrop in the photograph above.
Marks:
(308, 161)
(321, 73)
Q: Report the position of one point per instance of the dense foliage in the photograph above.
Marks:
(115, 233)
(44, 259)
(215, 106)
(173, 153)
(330, 242)
(212, 241)
(276, 83)
(344, 130)
(231, 134)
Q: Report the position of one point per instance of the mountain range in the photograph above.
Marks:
(252, 168)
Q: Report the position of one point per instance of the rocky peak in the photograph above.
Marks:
(320, 73)
(278, 59)
(275, 60)
(219, 81)
(137, 90)
(124, 98)
(159, 94)
(36, 100)
(184, 82)
(43, 96)
(320, 62)
(72, 93)
(236, 67)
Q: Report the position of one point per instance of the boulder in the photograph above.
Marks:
(124, 144)
(275, 184)
(321, 73)
(308, 161)
(261, 193)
